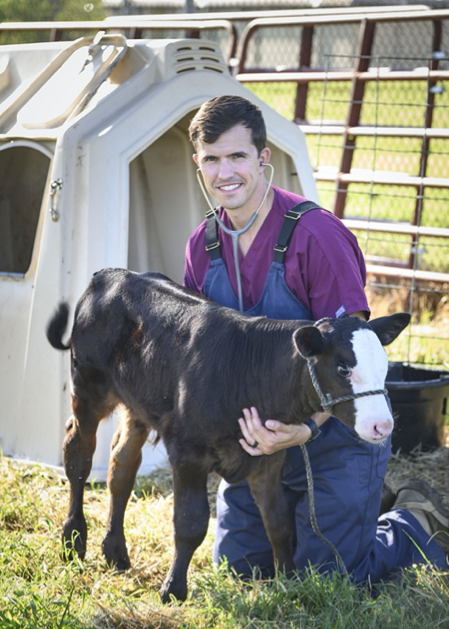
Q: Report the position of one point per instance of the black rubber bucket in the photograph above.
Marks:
(419, 401)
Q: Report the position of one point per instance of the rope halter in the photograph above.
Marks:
(327, 401)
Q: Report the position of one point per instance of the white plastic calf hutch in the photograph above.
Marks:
(96, 171)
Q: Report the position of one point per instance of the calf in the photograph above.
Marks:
(186, 367)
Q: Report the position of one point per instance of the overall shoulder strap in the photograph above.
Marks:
(291, 218)
(212, 243)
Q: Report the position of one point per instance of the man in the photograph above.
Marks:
(322, 273)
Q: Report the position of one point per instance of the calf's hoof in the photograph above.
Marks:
(74, 539)
(116, 553)
(287, 567)
(170, 589)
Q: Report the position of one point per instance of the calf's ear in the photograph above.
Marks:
(388, 328)
(309, 341)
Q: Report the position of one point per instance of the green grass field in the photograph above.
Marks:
(39, 591)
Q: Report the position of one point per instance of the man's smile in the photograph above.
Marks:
(232, 172)
(229, 187)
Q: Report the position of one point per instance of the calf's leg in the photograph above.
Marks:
(78, 450)
(265, 482)
(125, 459)
(191, 518)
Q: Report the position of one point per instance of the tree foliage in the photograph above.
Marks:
(46, 11)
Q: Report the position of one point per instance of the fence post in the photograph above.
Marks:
(364, 47)
(425, 146)
(305, 57)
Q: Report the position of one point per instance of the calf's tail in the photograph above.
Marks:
(57, 326)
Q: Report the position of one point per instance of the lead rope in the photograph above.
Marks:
(313, 520)
(327, 403)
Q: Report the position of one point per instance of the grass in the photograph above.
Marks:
(424, 345)
(38, 590)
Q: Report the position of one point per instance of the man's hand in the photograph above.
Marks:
(274, 435)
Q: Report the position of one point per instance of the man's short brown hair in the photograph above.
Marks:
(222, 113)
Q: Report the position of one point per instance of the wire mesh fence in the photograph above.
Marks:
(396, 186)
(398, 177)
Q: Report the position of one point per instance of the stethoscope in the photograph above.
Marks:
(236, 233)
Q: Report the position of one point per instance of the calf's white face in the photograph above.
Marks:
(325, 345)
(373, 418)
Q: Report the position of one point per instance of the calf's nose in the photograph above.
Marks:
(381, 428)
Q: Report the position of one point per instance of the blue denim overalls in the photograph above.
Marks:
(348, 476)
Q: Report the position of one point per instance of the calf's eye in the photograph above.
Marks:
(344, 370)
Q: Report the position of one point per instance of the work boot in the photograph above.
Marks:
(426, 505)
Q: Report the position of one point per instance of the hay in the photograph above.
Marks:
(131, 618)
(433, 467)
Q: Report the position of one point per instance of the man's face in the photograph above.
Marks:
(231, 170)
